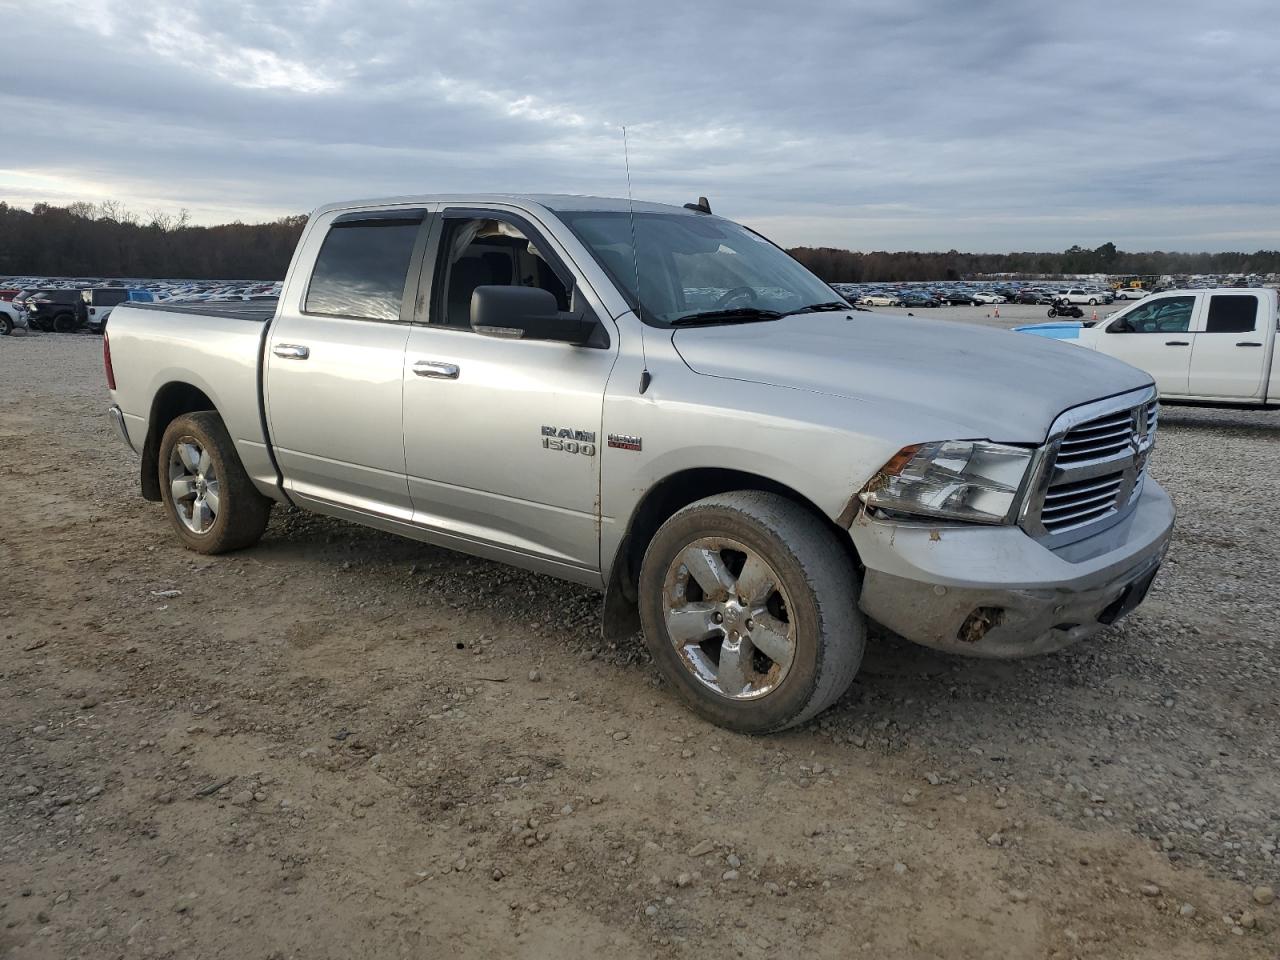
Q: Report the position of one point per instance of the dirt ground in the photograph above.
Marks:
(343, 744)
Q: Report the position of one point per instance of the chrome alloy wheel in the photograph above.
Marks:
(194, 485)
(729, 618)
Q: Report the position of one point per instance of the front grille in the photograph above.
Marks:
(1099, 438)
(1093, 466)
(1068, 505)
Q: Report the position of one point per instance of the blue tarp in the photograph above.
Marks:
(1057, 330)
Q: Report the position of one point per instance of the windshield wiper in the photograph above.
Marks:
(824, 307)
(732, 315)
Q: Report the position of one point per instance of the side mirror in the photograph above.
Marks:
(526, 313)
(1120, 326)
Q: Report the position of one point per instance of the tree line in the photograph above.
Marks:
(107, 240)
(851, 266)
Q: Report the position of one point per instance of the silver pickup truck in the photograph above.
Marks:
(662, 404)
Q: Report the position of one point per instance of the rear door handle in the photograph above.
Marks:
(1177, 343)
(291, 351)
(1248, 343)
(436, 369)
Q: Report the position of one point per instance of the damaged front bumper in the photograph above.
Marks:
(996, 592)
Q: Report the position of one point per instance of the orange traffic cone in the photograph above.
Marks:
(997, 311)
(1095, 314)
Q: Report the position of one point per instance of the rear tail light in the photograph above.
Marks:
(106, 362)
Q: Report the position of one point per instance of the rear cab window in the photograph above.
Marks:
(363, 265)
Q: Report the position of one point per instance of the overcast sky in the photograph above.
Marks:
(984, 125)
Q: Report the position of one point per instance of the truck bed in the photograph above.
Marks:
(254, 311)
(214, 347)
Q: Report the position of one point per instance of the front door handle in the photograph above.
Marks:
(1177, 343)
(1248, 343)
(437, 369)
(291, 351)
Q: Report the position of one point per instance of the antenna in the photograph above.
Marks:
(645, 376)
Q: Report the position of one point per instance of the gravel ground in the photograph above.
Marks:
(1011, 314)
(344, 743)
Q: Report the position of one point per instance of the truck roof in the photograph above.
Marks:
(555, 202)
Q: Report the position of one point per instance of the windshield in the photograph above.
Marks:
(694, 264)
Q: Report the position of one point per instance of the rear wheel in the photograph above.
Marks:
(6, 325)
(212, 504)
(749, 607)
(64, 323)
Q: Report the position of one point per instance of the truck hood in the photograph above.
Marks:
(974, 382)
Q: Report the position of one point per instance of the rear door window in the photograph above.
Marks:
(362, 267)
(1232, 313)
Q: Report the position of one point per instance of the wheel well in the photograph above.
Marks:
(171, 401)
(681, 489)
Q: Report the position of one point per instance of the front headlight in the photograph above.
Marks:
(970, 480)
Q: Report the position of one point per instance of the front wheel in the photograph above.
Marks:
(749, 607)
(211, 502)
(1052, 313)
(64, 323)
(6, 325)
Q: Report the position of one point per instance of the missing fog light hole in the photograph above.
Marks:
(977, 624)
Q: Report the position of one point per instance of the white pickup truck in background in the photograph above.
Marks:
(1201, 346)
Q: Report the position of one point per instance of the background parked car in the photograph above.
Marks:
(1131, 293)
(52, 310)
(96, 303)
(913, 298)
(959, 298)
(1081, 295)
(879, 300)
(11, 318)
(983, 297)
(1034, 297)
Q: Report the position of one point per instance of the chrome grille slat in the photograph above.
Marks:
(1081, 487)
(1102, 423)
(1093, 466)
(1082, 454)
(1070, 520)
(1104, 500)
(1052, 498)
(1106, 485)
(1112, 433)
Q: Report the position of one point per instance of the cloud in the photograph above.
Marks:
(991, 125)
(178, 37)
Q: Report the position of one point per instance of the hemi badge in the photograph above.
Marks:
(623, 442)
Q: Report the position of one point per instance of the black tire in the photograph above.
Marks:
(1093, 302)
(242, 511)
(6, 325)
(818, 577)
(65, 323)
(1052, 313)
